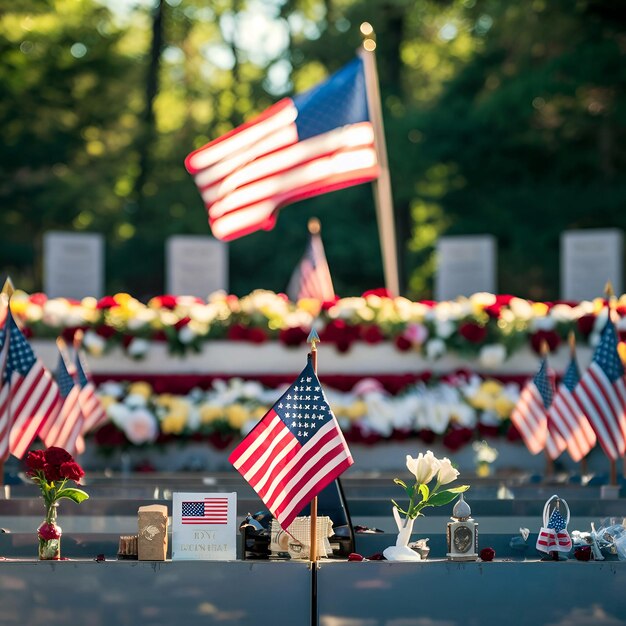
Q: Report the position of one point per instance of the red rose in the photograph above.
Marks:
(257, 335)
(165, 302)
(183, 321)
(585, 324)
(35, 460)
(38, 298)
(549, 336)
(372, 334)
(457, 438)
(48, 531)
(293, 336)
(472, 332)
(72, 471)
(237, 332)
(583, 553)
(52, 472)
(381, 292)
(487, 554)
(56, 456)
(402, 343)
(106, 332)
(108, 302)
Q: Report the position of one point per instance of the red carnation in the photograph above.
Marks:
(106, 332)
(165, 302)
(381, 292)
(35, 461)
(55, 456)
(38, 298)
(237, 332)
(72, 471)
(457, 438)
(487, 554)
(182, 322)
(52, 472)
(472, 332)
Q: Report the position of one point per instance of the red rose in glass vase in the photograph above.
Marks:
(51, 469)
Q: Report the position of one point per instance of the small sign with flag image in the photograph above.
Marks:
(203, 526)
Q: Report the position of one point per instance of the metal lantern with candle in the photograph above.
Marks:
(462, 533)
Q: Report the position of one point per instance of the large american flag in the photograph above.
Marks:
(206, 511)
(65, 431)
(314, 143)
(5, 423)
(311, 278)
(295, 451)
(601, 394)
(530, 413)
(566, 416)
(29, 397)
(90, 404)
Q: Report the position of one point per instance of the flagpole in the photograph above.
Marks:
(313, 339)
(382, 185)
(7, 290)
(608, 290)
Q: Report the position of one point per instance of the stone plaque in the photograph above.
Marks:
(590, 258)
(73, 265)
(152, 536)
(466, 264)
(196, 265)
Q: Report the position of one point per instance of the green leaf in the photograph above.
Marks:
(399, 507)
(459, 489)
(443, 497)
(71, 493)
(400, 482)
(425, 491)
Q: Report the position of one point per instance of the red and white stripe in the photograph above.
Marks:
(312, 279)
(65, 431)
(604, 404)
(285, 474)
(91, 406)
(245, 176)
(530, 418)
(567, 418)
(29, 403)
(549, 539)
(5, 416)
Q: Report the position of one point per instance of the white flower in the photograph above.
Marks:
(186, 335)
(447, 473)
(424, 467)
(118, 413)
(111, 388)
(94, 344)
(444, 328)
(140, 427)
(435, 348)
(492, 355)
(543, 323)
(138, 347)
(135, 400)
(484, 452)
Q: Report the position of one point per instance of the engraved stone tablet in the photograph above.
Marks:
(73, 265)
(196, 265)
(152, 536)
(590, 258)
(465, 265)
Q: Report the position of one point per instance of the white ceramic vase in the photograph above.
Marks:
(401, 551)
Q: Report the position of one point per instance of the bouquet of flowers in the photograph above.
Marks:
(51, 469)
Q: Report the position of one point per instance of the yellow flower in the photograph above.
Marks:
(258, 413)
(621, 350)
(491, 387)
(164, 400)
(356, 410)
(540, 309)
(141, 388)
(237, 415)
(503, 407)
(210, 412)
(107, 401)
(173, 423)
(310, 305)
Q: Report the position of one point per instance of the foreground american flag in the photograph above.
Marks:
(601, 394)
(295, 451)
(65, 430)
(29, 397)
(93, 410)
(206, 511)
(314, 143)
(566, 416)
(530, 413)
(311, 278)
(5, 424)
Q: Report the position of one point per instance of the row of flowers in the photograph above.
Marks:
(485, 326)
(456, 411)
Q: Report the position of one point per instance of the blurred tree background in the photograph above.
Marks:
(501, 118)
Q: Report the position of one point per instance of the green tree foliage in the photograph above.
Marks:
(502, 118)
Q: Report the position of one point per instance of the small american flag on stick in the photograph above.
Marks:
(295, 451)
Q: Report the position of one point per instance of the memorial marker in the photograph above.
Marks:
(466, 265)
(196, 265)
(203, 526)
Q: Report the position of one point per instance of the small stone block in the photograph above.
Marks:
(152, 538)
